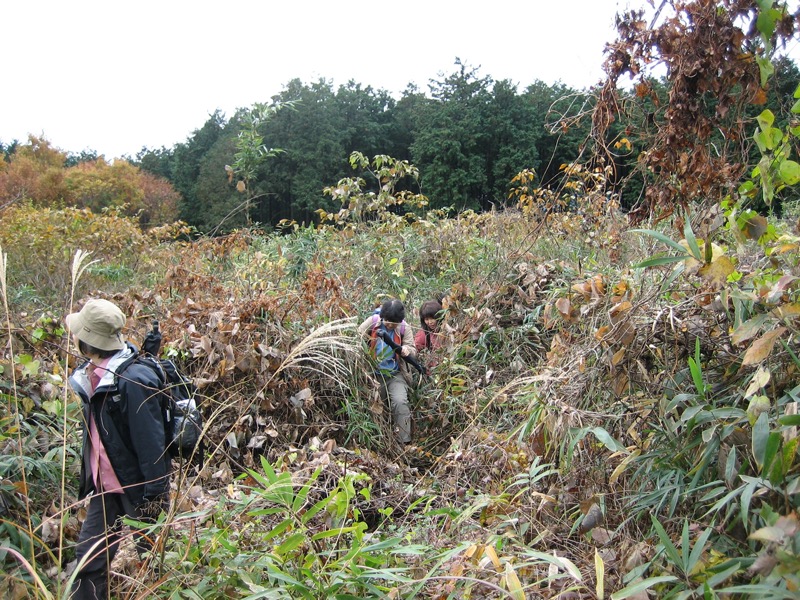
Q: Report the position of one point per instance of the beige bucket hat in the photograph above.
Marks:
(99, 323)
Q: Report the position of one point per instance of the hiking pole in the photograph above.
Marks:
(387, 337)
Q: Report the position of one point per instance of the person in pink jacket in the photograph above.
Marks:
(429, 337)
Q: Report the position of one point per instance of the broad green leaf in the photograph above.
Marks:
(718, 578)
(789, 452)
(277, 530)
(664, 239)
(758, 405)
(318, 506)
(290, 543)
(602, 436)
(760, 438)
(690, 413)
(730, 466)
(640, 586)
(747, 495)
(789, 172)
(765, 119)
(685, 549)
(658, 261)
(697, 550)
(333, 532)
(559, 561)
(691, 240)
(669, 547)
(765, 68)
(607, 440)
(770, 452)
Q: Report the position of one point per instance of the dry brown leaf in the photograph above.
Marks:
(602, 332)
(583, 288)
(748, 329)
(565, 308)
(619, 311)
(755, 227)
(601, 535)
(787, 311)
(618, 356)
(598, 286)
(627, 334)
(761, 348)
(620, 384)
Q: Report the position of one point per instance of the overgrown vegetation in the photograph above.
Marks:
(614, 413)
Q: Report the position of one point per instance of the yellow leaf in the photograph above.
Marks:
(513, 584)
(717, 272)
(785, 248)
(761, 348)
(759, 380)
(692, 264)
(600, 571)
(493, 556)
(598, 286)
(623, 466)
(471, 550)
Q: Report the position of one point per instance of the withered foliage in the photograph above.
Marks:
(695, 144)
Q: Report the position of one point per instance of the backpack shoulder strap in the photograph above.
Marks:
(151, 363)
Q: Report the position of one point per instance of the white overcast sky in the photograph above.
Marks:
(114, 76)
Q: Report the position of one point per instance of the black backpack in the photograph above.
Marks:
(183, 422)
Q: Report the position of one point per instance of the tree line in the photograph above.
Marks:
(469, 135)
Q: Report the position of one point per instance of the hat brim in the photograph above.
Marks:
(78, 328)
